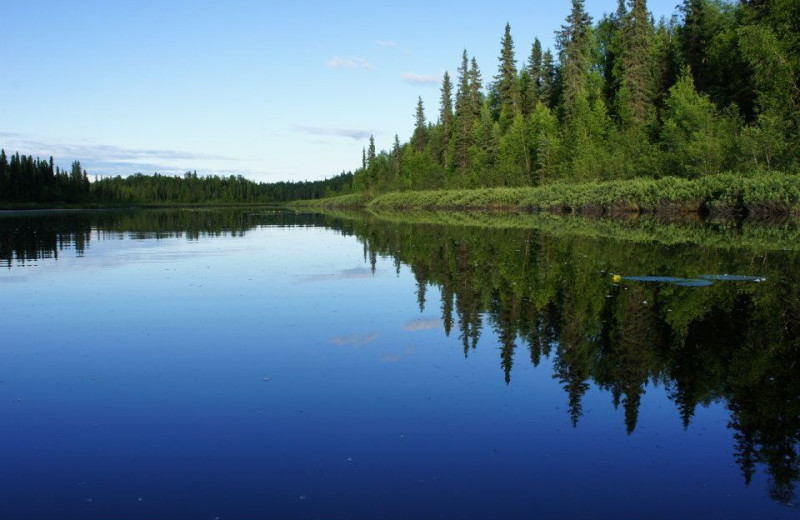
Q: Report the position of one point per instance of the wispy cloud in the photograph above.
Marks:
(109, 159)
(103, 152)
(391, 44)
(349, 62)
(352, 133)
(421, 79)
(356, 340)
(396, 358)
(424, 324)
(345, 274)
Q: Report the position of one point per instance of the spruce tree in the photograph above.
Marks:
(419, 139)
(573, 44)
(695, 37)
(610, 41)
(475, 88)
(446, 117)
(506, 82)
(635, 98)
(371, 153)
(534, 89)
(548, 91)
(396, 158)
(464, 116)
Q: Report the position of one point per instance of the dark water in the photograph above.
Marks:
(247, 364)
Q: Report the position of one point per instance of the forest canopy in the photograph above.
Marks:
(712, 89)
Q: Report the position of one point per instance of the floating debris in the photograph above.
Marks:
(733, 278)
(683, 282)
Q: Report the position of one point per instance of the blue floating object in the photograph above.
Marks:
(683, 282)
(733, 278)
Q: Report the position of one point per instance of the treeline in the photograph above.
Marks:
(24, 179)
(191, 188)
(714, 88)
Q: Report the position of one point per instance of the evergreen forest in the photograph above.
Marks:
(713, 89)
(24, 179)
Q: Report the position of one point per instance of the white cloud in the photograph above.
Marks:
(421, 79)
(352, 133)
(356, 340)
(423, 324)
(387, 43)
(350, 62)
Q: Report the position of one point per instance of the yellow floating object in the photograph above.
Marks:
(616, 278)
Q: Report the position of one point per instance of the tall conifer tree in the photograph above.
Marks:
(635, 97)
(695, 37)
(535, 72)
(371, 153)
(420, 137)
(547, 93)
(573, 44)
(446, 117)
(506, 82)
(475, 87)
(464, 116)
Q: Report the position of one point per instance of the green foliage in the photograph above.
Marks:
(507, 83)
(761, 192)
(711, 91)
(696, 139)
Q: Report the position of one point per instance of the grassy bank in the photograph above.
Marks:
(36, 206)
(764, 194)
(354, 200)
(779, 235)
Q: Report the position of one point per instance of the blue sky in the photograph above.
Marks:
(272, 92)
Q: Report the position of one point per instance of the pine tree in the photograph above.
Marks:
(420, 137)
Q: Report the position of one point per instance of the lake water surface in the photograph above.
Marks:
(256, 363)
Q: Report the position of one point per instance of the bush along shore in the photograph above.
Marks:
(766, 194)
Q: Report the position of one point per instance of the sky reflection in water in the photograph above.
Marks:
(237, 364)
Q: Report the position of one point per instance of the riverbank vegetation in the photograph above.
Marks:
(729, 194)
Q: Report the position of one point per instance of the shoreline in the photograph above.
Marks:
(729, 195)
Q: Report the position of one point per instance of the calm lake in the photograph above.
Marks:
(261, 364)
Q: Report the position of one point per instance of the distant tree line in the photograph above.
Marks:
(24, 179)
(714, 88)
